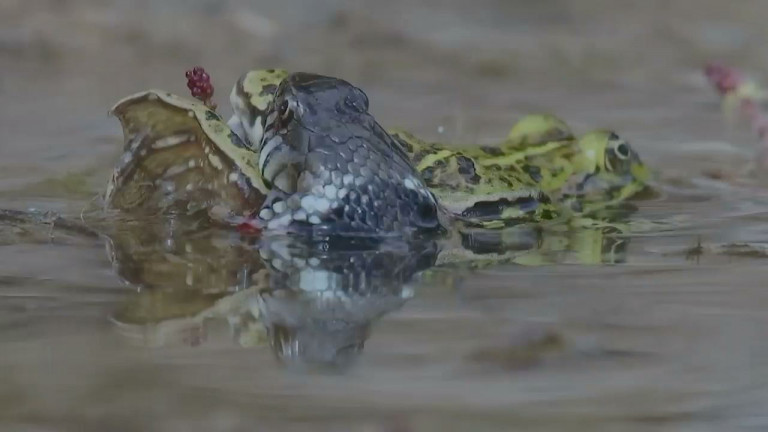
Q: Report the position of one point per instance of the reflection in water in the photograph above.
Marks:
(319, 305)
(313, 302)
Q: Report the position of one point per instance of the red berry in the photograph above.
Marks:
(199, 84)
(248, 228)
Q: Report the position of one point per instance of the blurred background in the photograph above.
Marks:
(469, 67)
(660, 343)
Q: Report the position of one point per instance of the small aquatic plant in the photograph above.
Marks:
(741, 95)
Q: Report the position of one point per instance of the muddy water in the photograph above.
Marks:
(669, 338)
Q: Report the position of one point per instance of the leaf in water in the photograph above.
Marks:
(179, 155)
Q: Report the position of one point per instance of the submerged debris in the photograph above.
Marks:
(37, 218)
(524, 349)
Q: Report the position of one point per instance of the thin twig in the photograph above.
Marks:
(36, 217)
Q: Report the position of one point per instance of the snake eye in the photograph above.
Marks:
(357, 100)
(285, 111)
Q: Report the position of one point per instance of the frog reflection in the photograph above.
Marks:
(313, 303)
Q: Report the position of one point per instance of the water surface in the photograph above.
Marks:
(669, 337)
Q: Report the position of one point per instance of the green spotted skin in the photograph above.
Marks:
(539, 172)
(250, 98)
(486, 195)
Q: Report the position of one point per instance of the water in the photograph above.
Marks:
(667, 339)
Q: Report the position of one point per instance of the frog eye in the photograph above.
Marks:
(622, 150)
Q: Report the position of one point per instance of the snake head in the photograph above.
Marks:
(333, 169)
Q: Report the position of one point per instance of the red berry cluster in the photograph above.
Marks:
(199, 83)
